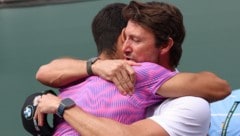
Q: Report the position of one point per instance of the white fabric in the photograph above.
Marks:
(183, 116)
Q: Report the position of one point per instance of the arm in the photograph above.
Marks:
(89, 125)
(203, 84)
(63, 71)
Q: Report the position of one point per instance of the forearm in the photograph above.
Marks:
(213, 88)
(204, 84)
(88, 125)
(61, 72)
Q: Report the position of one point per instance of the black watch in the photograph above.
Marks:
(89, 65)
(65, 104)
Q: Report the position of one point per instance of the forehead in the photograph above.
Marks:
(135, 29)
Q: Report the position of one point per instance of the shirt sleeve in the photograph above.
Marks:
(185, 116)
(151, 76)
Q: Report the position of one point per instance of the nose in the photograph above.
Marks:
(126, 48)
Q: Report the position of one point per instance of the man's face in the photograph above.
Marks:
(139, 44)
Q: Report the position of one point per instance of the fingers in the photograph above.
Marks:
(118, 85)
(46, 104)
(131, 74)
(38, 117)
(42, 102)
(125, 79)
(36, 114)
(120, 72)
(133, 63)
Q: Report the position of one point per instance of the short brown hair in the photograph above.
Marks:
(164, 20)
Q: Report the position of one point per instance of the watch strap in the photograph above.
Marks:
(65, 104)
(89, 65)
(60, 110)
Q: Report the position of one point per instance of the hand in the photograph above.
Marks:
(119, 72)
(48, 103)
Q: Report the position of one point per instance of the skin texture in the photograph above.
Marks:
(139, 47)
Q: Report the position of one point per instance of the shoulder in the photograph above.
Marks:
(147, 67)
(185, 104)
(152, 71)
(178, 116)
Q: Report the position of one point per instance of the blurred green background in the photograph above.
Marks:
(33, 36)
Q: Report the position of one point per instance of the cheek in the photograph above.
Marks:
(143, 55)
(144, 50)
(120, 55)
(148, 55)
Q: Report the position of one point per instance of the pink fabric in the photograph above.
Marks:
(102, 98)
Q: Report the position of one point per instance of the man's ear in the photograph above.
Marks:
(123, 36)
(167, 46)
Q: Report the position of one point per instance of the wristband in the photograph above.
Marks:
(89, 65)
(65, 104)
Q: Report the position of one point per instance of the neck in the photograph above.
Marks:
(105, 56)
(167, 66)
(165, 62)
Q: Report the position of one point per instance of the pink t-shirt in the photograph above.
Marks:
(101, 98)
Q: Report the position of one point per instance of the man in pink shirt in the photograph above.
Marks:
(102, 98)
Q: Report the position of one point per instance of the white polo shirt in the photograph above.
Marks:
(183, 116)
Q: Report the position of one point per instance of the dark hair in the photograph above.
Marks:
(107, 26)
(164, 20)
